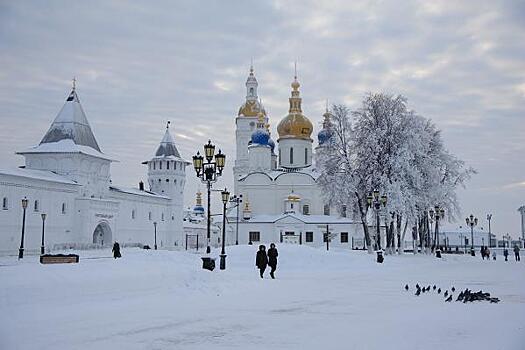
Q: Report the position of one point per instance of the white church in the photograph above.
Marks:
(67, 177)
(282, 200)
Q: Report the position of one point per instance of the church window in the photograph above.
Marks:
(291, 155)
(133, 214)
(344, 237)
(37, 206)
(326, 209)
(306, 209)
(255, 236)
(309, 237)
(251, 91)
(5, 203)
(160, 165)
(63, 208)
(175, 182)
(154, 165)
(149, 216)
(162, 217)
(168, 165)
(343, 211)
(305, 156)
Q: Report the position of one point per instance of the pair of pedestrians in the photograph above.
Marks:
(263, 259)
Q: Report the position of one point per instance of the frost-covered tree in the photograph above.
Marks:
(385, 146)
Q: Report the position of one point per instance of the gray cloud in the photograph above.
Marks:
(460, 63)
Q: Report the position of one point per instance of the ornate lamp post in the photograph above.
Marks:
(42, 248)
(489, 217)
(208, 173)
(472, 221)
(21, 249)
(155, 230)
(237, 201)
(437, 214)
(225, 199)
(375, 200)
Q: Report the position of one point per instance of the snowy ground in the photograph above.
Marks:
(320, 300)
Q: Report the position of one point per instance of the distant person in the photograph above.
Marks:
(261, 260)
(516, 252)
(494, 254)
(487, 253)
(506, 254)
(272, 259)
(482, 251)
(116, 250)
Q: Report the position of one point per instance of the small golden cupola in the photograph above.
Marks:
(295, 125)
(252, 107)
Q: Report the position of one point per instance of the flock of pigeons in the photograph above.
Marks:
(465, 296)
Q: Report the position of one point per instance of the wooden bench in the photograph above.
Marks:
(59, 259)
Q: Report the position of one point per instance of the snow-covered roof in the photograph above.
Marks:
(64, 146)
(43, 175)
(307, 219)
(136, 191)
(71, 123)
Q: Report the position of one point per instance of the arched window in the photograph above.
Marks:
(306, 209)
(149, 216)
(251, 91)
(154, 165)
(343, 211)
(160, 165)
(133, 214)
(168, 165)
(326, 209)
(5, 203)
(291, 155)
(63, 208)
(162, 216)
(37, 206)
(175, 182)
(305, 156)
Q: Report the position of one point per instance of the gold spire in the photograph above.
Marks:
(295, 124)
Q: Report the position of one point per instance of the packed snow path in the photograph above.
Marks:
(320, 300)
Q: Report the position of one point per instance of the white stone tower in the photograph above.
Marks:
(167, 176)
(246, 123)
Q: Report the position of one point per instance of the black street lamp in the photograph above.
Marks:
(21, 249)
(375, 200)
(472, 221)
(208, 173)
(489, 217)
(42, 248)
(237, 201)
(225, 199)
(155, 230)
(437, 214)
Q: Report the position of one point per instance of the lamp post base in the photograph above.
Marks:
(155, 247)
(42, 250)
(222, 264)
(20, 253)
(472, 252)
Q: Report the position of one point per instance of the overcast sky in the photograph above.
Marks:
(137, 65)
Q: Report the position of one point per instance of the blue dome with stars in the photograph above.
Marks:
(323, 136)
(260, 137)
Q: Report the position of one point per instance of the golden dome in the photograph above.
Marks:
(295, 124)
(251, 108)
(293, 197)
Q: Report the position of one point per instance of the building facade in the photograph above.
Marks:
(68, 178)
(282, 201)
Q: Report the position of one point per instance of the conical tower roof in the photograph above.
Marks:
(167, 145)
(71, 123)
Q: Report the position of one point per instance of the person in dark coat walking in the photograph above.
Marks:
(261, 260)
(116, 250)
(516, 252)
(272, 259)
(506, 254)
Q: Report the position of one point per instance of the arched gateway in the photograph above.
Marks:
(102, 234)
